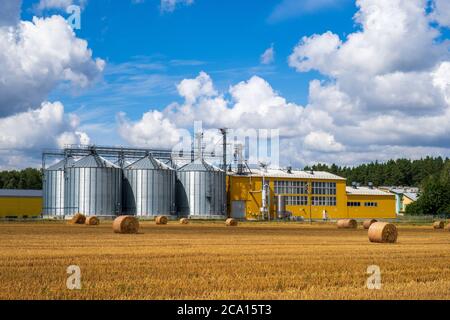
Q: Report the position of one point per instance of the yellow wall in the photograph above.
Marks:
(20, 207)
(386, 206)
(405, 201)
(249, 189)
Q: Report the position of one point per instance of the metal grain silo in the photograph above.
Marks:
(149, 188)
(54, 188)
(201, 190)
(94, 187)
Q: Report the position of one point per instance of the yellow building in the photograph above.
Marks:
(20, 203)
(308, 195)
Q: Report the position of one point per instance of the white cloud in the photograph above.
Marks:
(170, 5)
(10, 12)
(36, 56)
(45, 127)
(322, 141)
(292, 8)
(58, 4)
(386, 93)
(268, 56)
(442, 12)
(151, 131)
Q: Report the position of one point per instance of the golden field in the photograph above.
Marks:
(211, 261)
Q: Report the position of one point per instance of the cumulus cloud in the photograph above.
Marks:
(442, 12)
(46, 127)
(385, 94)
(37, 55)
(268, 56)
(10, 12)
(171, 5)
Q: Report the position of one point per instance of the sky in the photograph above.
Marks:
(343, 81)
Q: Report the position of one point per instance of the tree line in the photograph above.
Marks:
(401, 172)
(30, 179)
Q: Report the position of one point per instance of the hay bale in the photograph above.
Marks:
(347, 224)
(161, 220)
(184, 221)
(231, 222)
(368, 223)
(92, 221)
(79, 218)
(126, 225)
(438, 225)
(382, 232)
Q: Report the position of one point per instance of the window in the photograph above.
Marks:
(291, 187)
(353, 204)
(296, 200)
(371, 204)
(324, 201)
(326, 188)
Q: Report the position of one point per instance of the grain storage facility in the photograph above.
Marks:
(94, 187)
(20, 204)
(201, 191)
(53, 182)
(149, 188)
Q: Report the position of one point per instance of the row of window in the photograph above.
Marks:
(296, 201)
(324, 201)
(327, 188)
(366, 204)
(301, 187)
(291, 187)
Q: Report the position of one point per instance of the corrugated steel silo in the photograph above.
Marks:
(94, 187)
(201, 190)
(149, 188)
(54, 187)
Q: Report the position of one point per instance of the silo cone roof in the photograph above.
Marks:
(199, 165)
(60, 165)
(94, 161)
(148, 163)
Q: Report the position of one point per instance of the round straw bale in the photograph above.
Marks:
(439, 225)
(368, 223)
(126, 224)
(92, 221)
(231, 222)
(382, 232)
(79, 218)
(184, 221)
(347, 224)
(161, 220)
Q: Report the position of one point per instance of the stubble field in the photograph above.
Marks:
(211, 261)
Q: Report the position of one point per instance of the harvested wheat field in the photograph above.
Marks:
(212, 261)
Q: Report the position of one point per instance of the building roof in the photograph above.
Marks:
(411, 195)
(148, 163)
(366, 191)
(20, 193)
(199, 165)
(94, 161)
(61, 164)
(294, 174)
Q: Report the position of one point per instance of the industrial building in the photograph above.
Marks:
(20, 204)
(108, 182)
(273, 194)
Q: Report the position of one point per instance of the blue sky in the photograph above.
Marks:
(223, 38)
(343, 81)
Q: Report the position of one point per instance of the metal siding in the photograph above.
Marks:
(151, 190)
